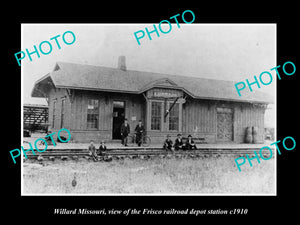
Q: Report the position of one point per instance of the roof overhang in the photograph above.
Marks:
(42, 87)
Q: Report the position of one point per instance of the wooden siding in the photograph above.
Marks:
(247, 115)
(199, 117)
(134, 107)
(57, 95)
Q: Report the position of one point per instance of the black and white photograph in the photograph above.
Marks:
(131, 109)
(144, 112)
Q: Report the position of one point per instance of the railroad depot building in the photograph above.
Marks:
(92, 102)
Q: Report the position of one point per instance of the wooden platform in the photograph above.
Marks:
(204, 150)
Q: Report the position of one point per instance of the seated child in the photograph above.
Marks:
(92, 151)
(102, 148)
(178, 143)
(168, 144)
(48, 139)
(190, 144)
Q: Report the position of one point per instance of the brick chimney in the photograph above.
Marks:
(122, 62)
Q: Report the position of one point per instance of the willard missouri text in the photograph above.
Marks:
(79, 211)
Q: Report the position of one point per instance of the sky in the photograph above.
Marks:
(218, 51)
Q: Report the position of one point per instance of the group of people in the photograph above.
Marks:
(189, 144)
(96, 152)
(125, 130)
(178, 144)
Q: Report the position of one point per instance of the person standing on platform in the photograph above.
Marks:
(125, 130)
(139, 129)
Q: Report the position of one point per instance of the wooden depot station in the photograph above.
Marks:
(92, 102)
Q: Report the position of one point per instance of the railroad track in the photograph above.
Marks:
(138, 152)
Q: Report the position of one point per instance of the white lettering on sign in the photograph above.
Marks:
(164, 94)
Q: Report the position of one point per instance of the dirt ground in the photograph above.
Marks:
(153, 176)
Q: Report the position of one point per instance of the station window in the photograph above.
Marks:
(174, 118)
(92, 113)
(53, 113)
(155, 115)
(62, 117)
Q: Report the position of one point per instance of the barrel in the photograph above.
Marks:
(248, 136)
(255, 134)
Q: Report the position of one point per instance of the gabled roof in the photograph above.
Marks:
(99, 78)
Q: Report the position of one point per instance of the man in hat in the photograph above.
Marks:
(102, 148)
(178, 145)
(125, 130)
(139, 129)
(190, 144)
